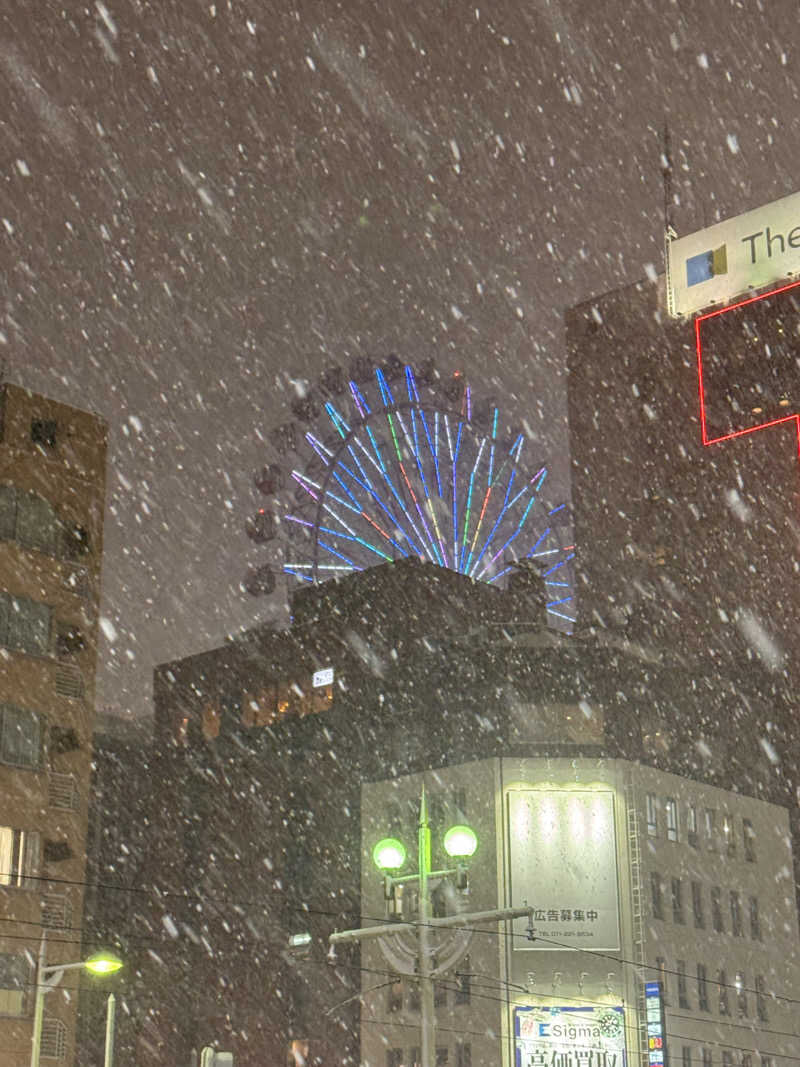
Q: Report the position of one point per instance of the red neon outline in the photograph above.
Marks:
(701, 388)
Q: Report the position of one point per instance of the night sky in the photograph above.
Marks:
(204, 204)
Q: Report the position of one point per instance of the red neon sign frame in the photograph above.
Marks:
(750, 429)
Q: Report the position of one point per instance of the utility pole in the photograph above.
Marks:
(422, 930)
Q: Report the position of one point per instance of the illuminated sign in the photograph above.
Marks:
(321, 678)
(714, 265)
(654, 1017)
(563, 862)
(569, 1037)
(747, 364)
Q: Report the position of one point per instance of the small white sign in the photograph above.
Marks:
(750, 251)
(324, 677)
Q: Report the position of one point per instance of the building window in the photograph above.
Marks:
(25, 624)
(463, 978)
(44, 432)
(20, 736)
(656, 895)
(661, 966)
(394, 1057)
(439, 995)
(766, 1061)
(442, 1057)
(697, 905)
(652, 815)
(37, 525)
(702, 988)
(708, 1058)
(710, 817)
(686, 1056)
(671, 814)
(463, 1054)
(722, 982)
(54, 1039)
(747, 1059)
(749, 838)
(728, 836)
(736, 914)
(691, 825)
(683, 989)
(716, 909)
(677, 901)
(19, 856)
(741, 995)
(755, 919)
(394, 996)
(761, 1000)
(727, 1058)
(15, 979)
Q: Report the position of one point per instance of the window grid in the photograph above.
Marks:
(683, 990)
(652, 815)
(656, 895)
(702, 988)
(697, 906)
(677, 901)
(54, 1039)
(749, 839)
(716, 910)
(737, 928)
(671, 814)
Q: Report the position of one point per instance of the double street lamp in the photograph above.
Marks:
(420, 961)
(47, 978)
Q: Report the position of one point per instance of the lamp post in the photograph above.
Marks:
(47, 978)
(389, 856)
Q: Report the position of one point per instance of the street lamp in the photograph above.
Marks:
(389, 856)
(47, 978)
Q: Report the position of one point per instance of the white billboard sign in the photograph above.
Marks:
(563, 864)
(578, 1037)
(723, 261)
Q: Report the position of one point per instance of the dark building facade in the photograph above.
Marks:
(241, 823)
(693, 547)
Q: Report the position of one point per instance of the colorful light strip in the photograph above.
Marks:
(401, 478)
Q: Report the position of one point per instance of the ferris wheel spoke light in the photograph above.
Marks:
(392, 470)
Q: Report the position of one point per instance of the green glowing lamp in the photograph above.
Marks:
(389, 854)
(460, 842)
(103, 963)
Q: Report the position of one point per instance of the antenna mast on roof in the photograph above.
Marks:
(669, 230)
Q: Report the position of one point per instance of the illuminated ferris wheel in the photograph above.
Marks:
(385, 465)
